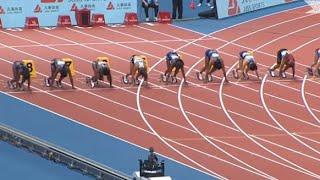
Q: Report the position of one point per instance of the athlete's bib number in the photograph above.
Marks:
(31, 67)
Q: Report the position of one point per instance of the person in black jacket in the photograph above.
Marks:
(152, 159)
(177, 4)
(146, 4)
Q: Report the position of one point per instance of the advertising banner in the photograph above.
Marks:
(13, 12)
(227, 8)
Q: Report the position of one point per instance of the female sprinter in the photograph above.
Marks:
(314, 70)
(174, 61)
(246, 63)
(213, 62)
(287, 62)
(280, 55)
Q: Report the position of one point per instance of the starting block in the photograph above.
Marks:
(131, 19)
(11, 85)
(98, 20)
(64, 21)
(164, 17)
(272, 73)
(309, 71)
(125, 80)
(31, 23)
(47, 83)
(171, 79)
(199, 76)
(90, 82)
(235, 74)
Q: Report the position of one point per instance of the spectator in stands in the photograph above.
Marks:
(177, 4)
(152, 158)
(146, 4)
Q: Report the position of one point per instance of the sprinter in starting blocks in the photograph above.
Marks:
(100, 67)
(64, 67)
(138, 68)
(22, 71)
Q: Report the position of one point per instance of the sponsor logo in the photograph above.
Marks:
(13, 10)
(37, 9)
(233, 8)
(110, 6)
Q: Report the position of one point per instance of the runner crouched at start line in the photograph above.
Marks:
(174, 62)
(285, 60)
(100, 69)
(213, 62)
(246, 62)
(138, 68)
(19, 69)
(59, 66)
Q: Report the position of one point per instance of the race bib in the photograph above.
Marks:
(137, 60)
(174, 56)
(61, 63)
(244, 54)
(140, 64)
(283, 53)
(214, 55)
(249, 58)
(102, 63)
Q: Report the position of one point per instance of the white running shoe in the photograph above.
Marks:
(47, 82)
(92, 83)
(208, 4)
(284, 75)
(147, 19)
(59, 85)
(10, 85)
(271, 73)
(199, 76)
(199, 4)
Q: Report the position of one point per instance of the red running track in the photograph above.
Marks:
(241, 129)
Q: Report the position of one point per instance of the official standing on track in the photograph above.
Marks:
(146, 4)
(177, 5)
